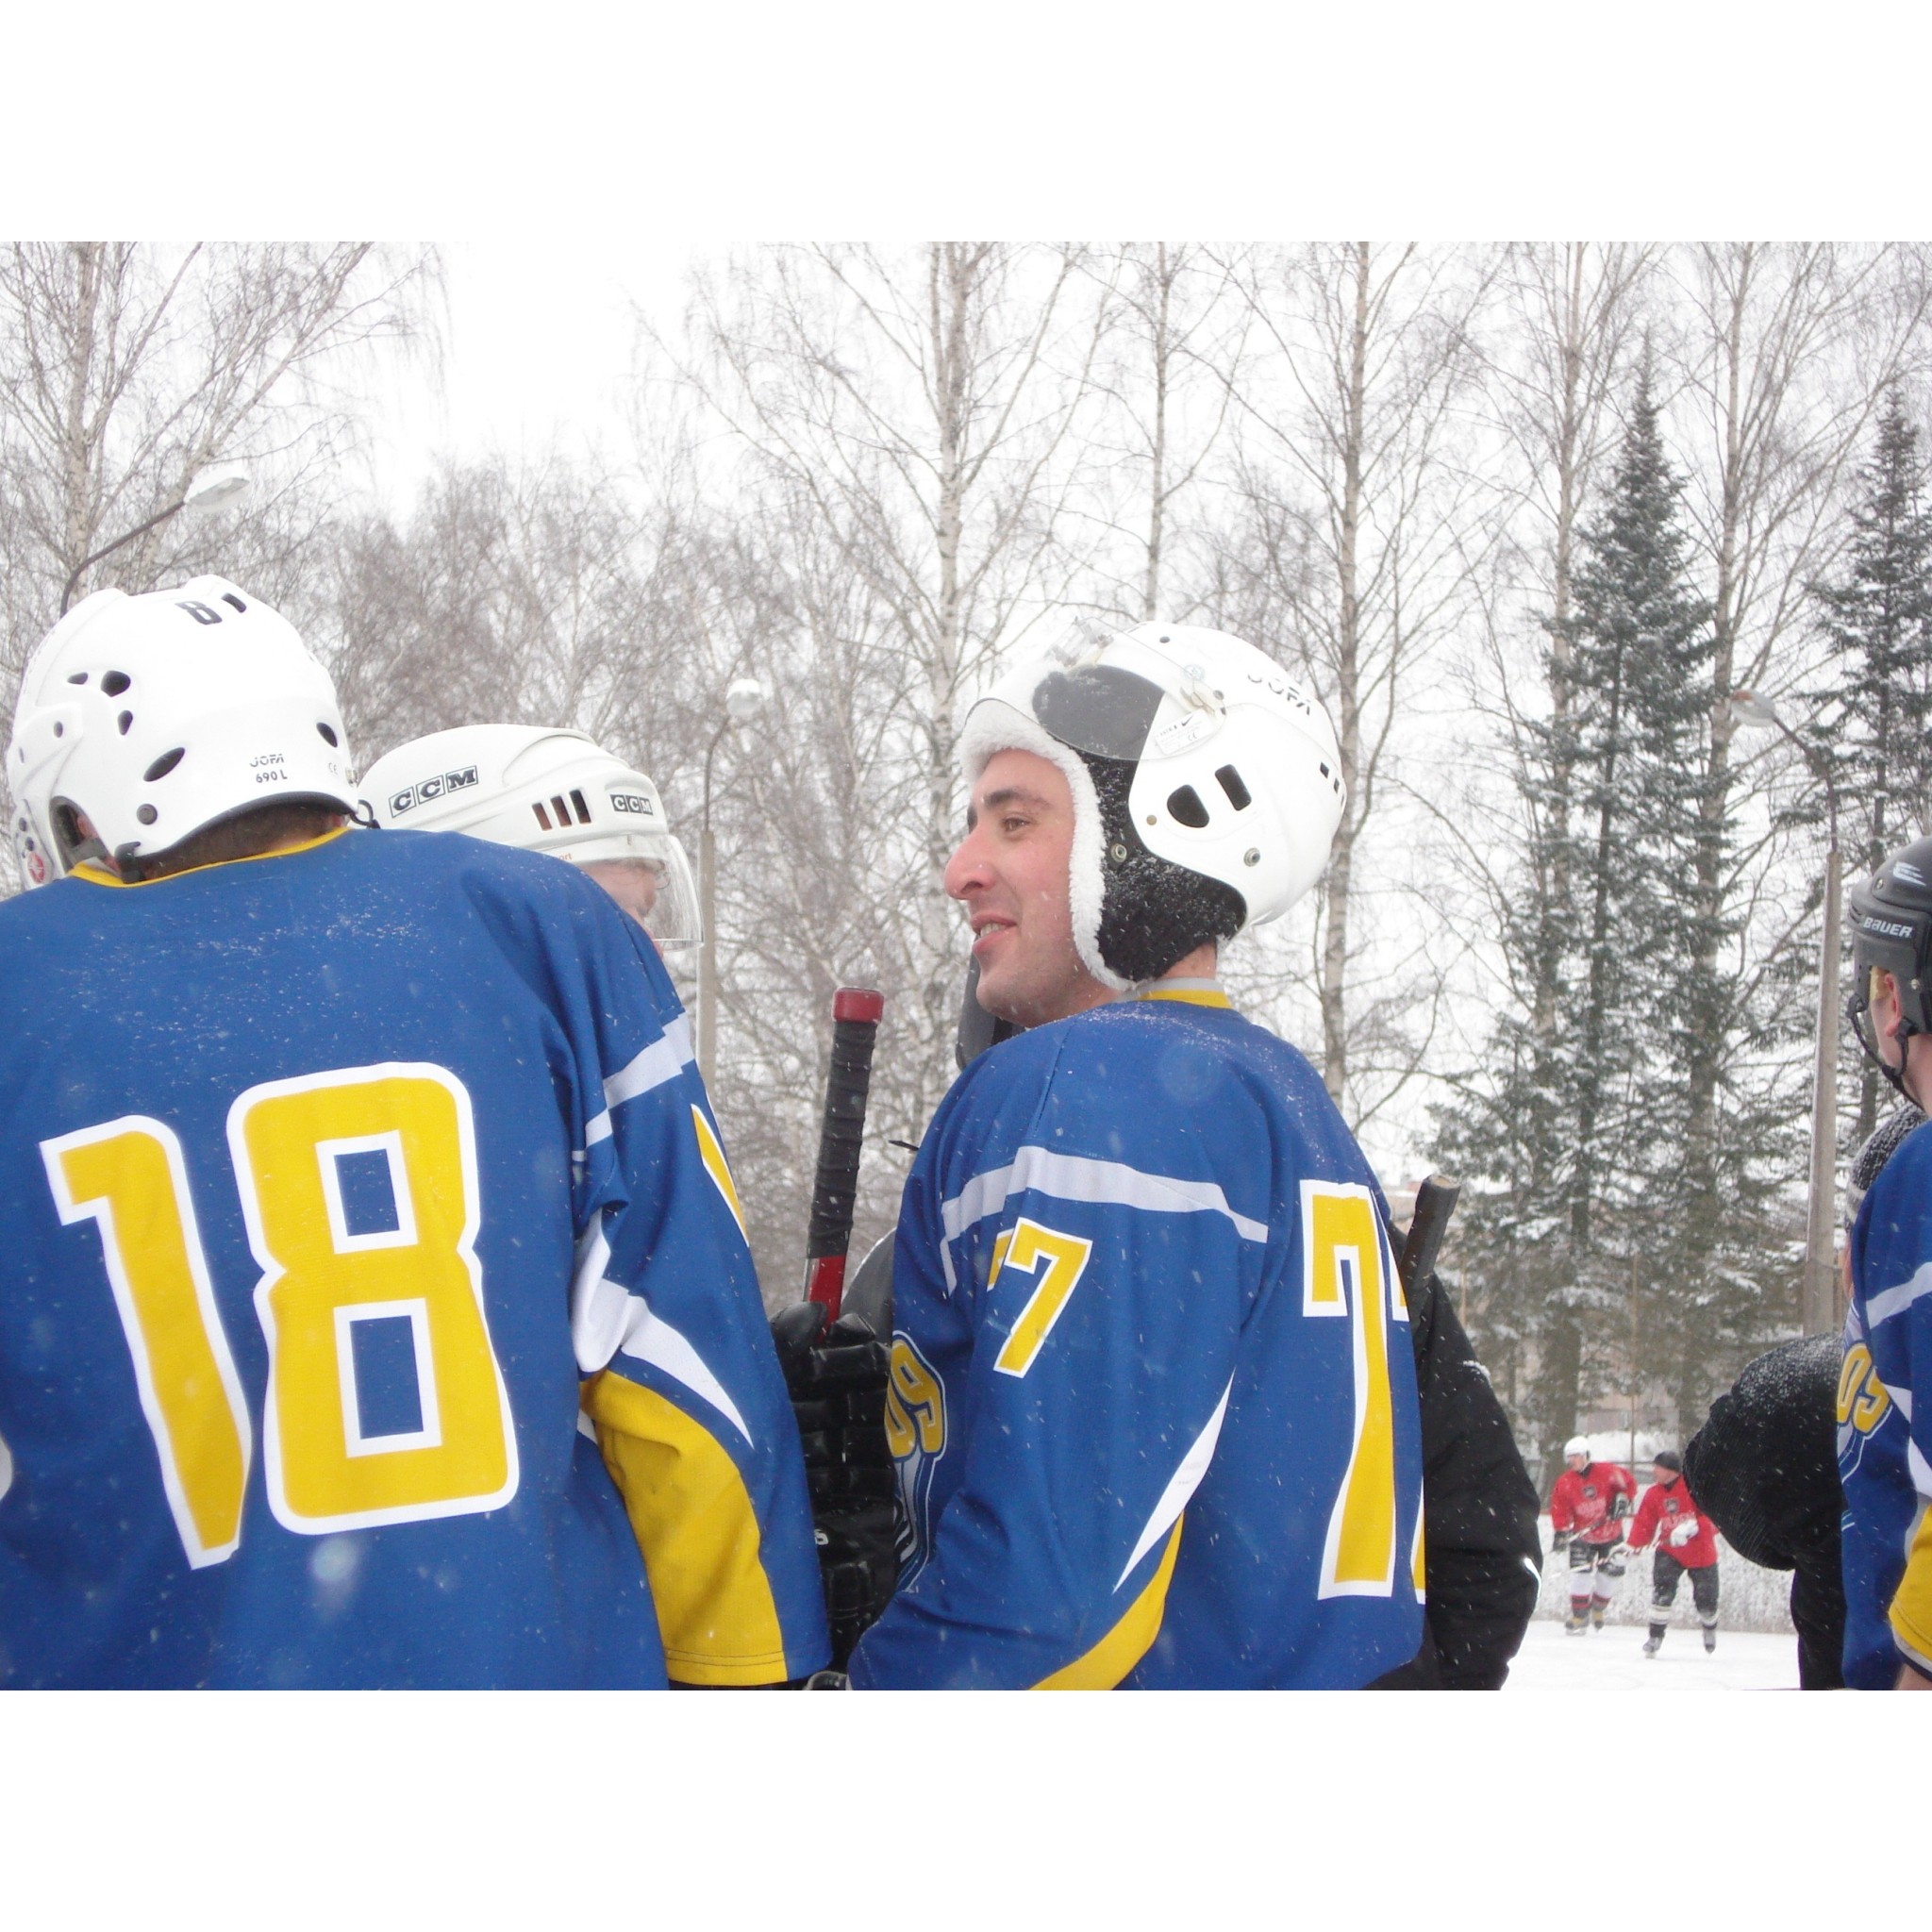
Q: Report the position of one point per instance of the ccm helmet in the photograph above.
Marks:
(1206, 787)
(158, 716)
(545, 790)
(1891, 928)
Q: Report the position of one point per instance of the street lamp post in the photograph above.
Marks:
(1819, 1301)
(742, 702)
(210, 490)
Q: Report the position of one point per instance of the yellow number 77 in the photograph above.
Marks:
(1023, 1250)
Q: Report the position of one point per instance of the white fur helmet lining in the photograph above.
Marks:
(159, 715)
(1206, 787)
(544, 789)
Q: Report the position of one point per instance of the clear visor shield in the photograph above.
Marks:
(1112, 712)
(652, 881)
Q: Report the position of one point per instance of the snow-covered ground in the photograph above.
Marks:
(1613, 1659)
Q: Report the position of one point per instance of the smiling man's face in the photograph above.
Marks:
(1010, 873)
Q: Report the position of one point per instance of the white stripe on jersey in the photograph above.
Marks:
(1882, 1307)
(1182, 1485)
(607, 1320)
(663, 1059)
(1078, 1177)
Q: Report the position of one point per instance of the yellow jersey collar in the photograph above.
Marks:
(1187, 992)
(95, 876)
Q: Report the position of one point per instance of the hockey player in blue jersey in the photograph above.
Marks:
(375, 1308)
(558, 791)
(1153, 1399)
(1885, 1390)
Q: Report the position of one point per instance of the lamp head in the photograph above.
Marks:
(219, 485)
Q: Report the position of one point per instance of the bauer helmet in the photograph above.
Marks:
(1891, 928)
(158, 716)
(1206, 787)
(545, 790)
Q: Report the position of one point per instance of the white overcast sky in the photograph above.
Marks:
(537, 352)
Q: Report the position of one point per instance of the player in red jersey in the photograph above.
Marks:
(1686, 1540)
(1588, 1510)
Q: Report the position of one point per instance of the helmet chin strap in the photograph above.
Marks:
(1858, 1011)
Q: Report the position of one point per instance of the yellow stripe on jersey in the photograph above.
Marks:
(96, 876)
(1129, 1641)
(1187, 996)
(695, 1525)
(1911, 1606)
(1417, 1573)
(717, 1166)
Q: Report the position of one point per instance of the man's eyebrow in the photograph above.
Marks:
(1006, 794)
(1012, 794)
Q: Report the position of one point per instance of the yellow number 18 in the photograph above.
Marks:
(326, 1470)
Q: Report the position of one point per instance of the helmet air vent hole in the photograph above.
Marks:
(543, 816)
(164, 764)
(76, 677)
(146, 814)
(562, 811)
(59, 729)
(124, 720)
(1230, 782)
(1185, 805)
(230, 597)
(576, 798)
(115, 683)
(328, 736)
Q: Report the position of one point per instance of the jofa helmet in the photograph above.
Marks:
(1206, 787)
(158, 716)
(544, 790)
(1891, 928)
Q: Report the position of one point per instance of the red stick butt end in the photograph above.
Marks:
(859, 1002)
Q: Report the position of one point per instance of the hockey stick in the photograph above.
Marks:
(834, 1189)
(1435, 1201)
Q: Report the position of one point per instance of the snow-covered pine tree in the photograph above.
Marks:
(1575, 1136)
(1876, 619)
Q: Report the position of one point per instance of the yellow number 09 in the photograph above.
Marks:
(318, 1280)
(1344, 1275)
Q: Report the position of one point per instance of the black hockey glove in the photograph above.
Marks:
(837, 1379)
(1560, 1540)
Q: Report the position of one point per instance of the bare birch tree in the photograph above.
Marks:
(905, 429)
(1170, 370)
(1360, 524)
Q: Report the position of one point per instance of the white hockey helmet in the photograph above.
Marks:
(159, 715)
(544, 790)
(1577, 1445)
(1206, 787)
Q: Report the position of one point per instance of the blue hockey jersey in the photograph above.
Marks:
(1884, 1437)
(375, 1308)
(1153, 1400)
